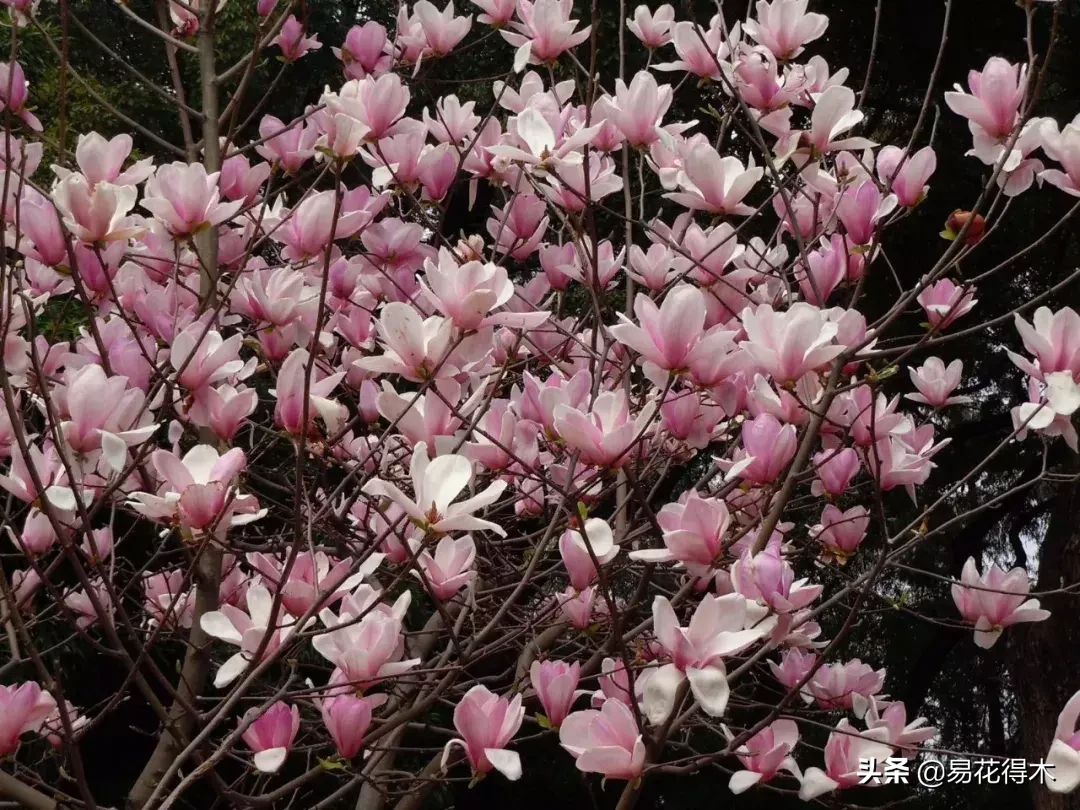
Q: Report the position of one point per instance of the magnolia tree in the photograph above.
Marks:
(324, 481)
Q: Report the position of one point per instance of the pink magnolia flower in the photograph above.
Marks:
(1063, 147)
(700, 59)
(861, 209)
(847, 685)
(994, 601)
(497, 13)
(606, 433)
(841, 532)
(414, 347)
(719, 627)
(450, 568)
(607, 741)
(166, 601)
(794, 666)
(347, 718)
(292, 42)
(428, 418)
(96, 213)
(582, 609)
(487, 723)
(453, 121)
(1054, 339)
(202, 358)
(652, 28)
(467, 293)
(834, 114)
(574, 549)
(37, 536)
(290, 145)
(784, 26)
(765, 754)
(555, 683)
(995, 96)
(906, 177)
(936, 382)
(436, 485)
(614, 682)
(652, 269)
(186, 199)
(769, 578)
(105, 415)
(844, 753)
(672, 335)
(50, 472)
(545, 31)
(715, 184)
(271, 735)
(694, 531)
(102, 161)
(944, 302)
(788, 344)
(292, 382)
(239, 180)
(538, 401)
(519, 226)
(442, 29)
(195, 490)
(767, 447)
(307, 229)
(23, 708)
(892, 716)
(91, 610)
(369, 650)
(364, 51)
(312, 575)
(835, 469)
(826, 267)
(1064, 755)
(637, 110)
(12, 76)
(41, 223)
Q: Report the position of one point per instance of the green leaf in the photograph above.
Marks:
(543, 721)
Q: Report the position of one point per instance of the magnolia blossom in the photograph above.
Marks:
(784, 26)
(844, 753)
(449, 569)
(575, 548)
(1064, 755)
(995, 601)
(606, 741)
(788, 344)
(271, 735)
(841, 533)
(555, 683)
(545, 31)
(436, 485)
(693, 533)
(197, 491)
(765, 754)
(720, 626)
(249, 631)
(843, 686)
(369, 650)
(23, 708)
(347, 718)
(487, 723)
(936, 382)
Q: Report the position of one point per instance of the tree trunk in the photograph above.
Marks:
(1044, 657)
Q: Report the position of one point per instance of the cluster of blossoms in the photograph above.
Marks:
(352, 419)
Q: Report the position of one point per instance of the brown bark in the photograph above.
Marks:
(1044, 658)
